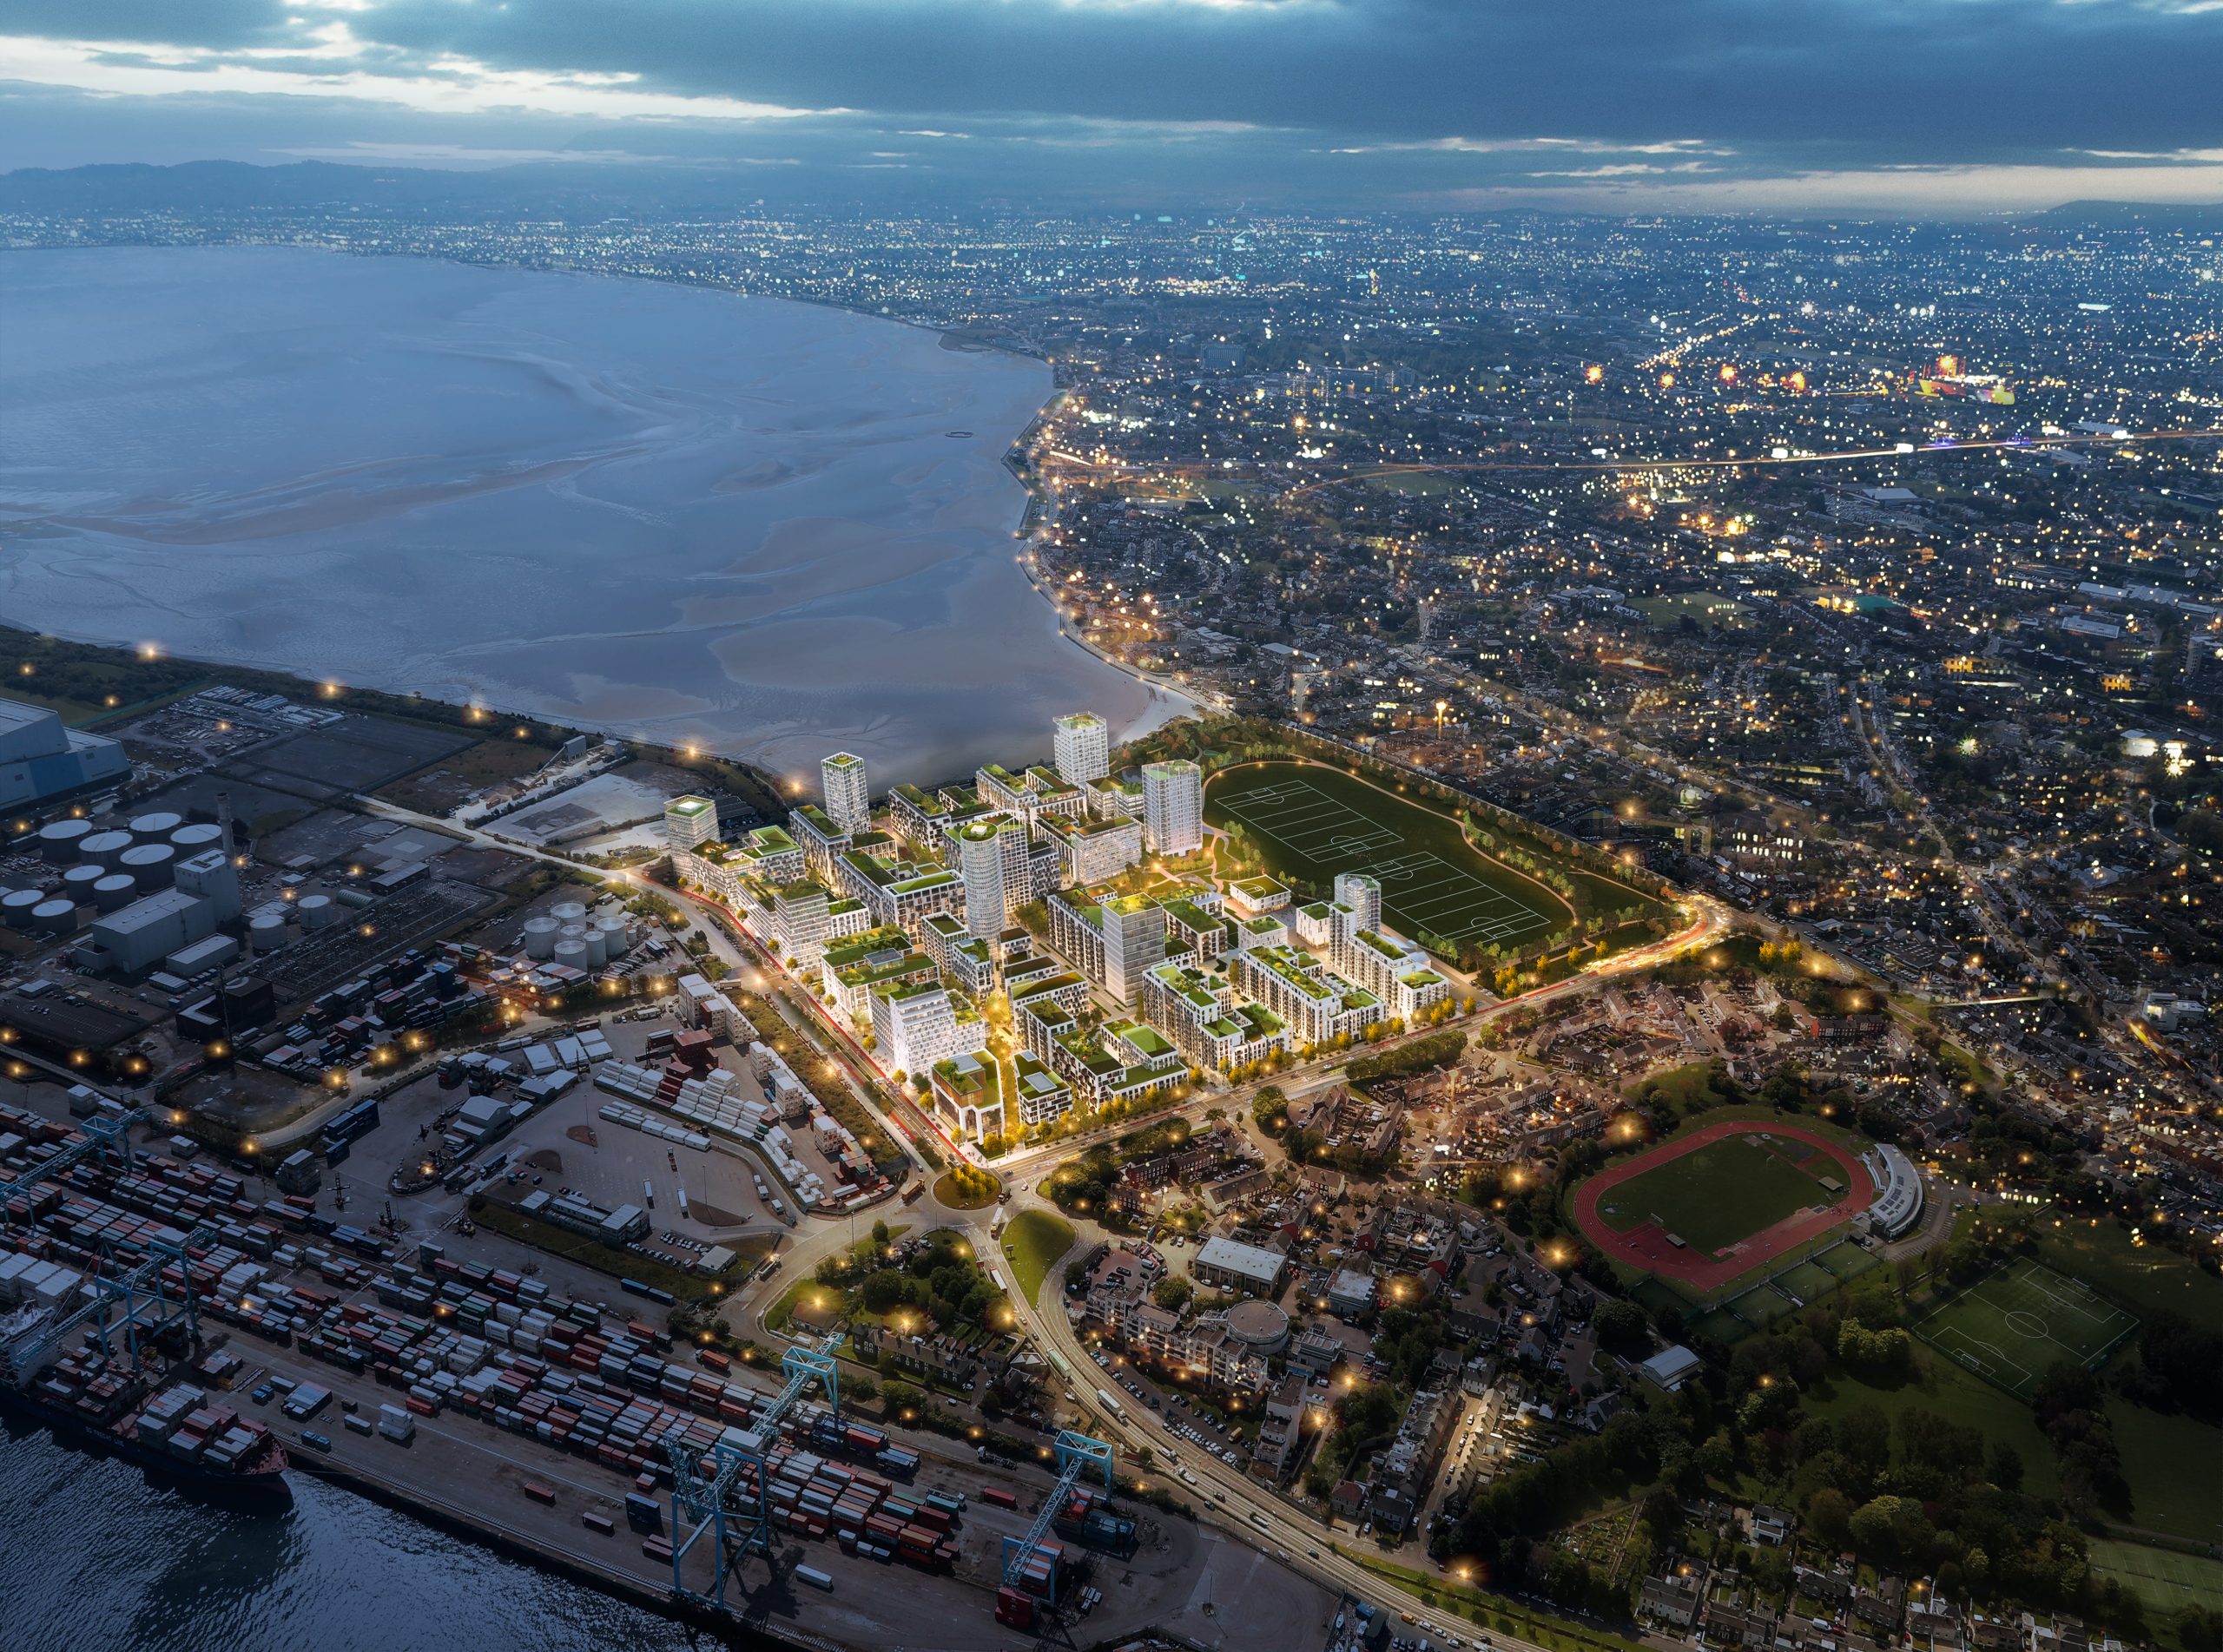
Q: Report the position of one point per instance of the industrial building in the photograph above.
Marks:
(40, 758)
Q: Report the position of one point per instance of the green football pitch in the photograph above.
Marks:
(1313, 821)
(1723, 1193)
(2023, 1318)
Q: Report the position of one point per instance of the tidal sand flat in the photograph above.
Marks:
(656, 509)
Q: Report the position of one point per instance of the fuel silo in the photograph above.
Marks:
(17, 905)
(115, 892)
(317, 911)
(266, 931)
(77, 882)
(157, 823)
(194, 837)
(105, 848)
(598, 946)
(53, 917)
(568, 912)
(615, 939)
(541, 935)
(152, 865)
(60, 841)
(572, 955)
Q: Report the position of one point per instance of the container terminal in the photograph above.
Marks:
(239, 1333)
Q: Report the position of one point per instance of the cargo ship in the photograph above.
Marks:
(174, 1429)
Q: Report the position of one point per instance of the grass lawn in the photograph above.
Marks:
(2165, 1581)
(1312, 820)
(2171, 1464)
(1960, 1396)
(1717, 1195)
(1034, 1240)
(2023, 1318)
(2142, 1277)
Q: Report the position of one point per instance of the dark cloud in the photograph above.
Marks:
(1319, 98)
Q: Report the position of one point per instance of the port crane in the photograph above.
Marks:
(1076, 1454)
(708, 1489)
(149, 1306)
(108, 1136)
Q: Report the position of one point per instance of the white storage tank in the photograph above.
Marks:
(541, 935)
(17, 905)
(53, 917)
(615, 939)
(152, 865)
(77, 882)
(266, 931)
(598, 947)
(115, 892)
(317, 911)
(193, 838)
(567, 913)
(157, 823)
(61, 841)
(572, 955)
(106, 848)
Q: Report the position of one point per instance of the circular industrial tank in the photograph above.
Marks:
(17, 905)
(614, 938)
(317, 911)
(77, 882)
(1261, 1324)
(115, 892)
(151, 865)
(597, 948)
(572, 954)
(105, 848)
(53, 917)
(199, 836)
(540, 937)
(265, 930)
(60, 840)
(568, 911)
(157, 823)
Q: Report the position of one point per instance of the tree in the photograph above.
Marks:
(1173, 1293)
(1622, 1331)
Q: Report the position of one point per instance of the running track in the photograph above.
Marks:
(1646, 1245)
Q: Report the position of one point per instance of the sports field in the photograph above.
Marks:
(1711, 1205)
(2017, 1322)
(1313, 821)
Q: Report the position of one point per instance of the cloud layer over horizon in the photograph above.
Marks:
(1929, 106)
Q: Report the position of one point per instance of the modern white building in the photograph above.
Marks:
(690, 822)
(992, 859)
(1173, 807)
(40, 758)
(1362, 894)
(1112, 941)
(914, 1026)
(849, 797)
(1084, 749)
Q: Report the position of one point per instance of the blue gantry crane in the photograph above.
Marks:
(105, 1134)
(148, 1305)
(1076, 1454)
(709, 1493)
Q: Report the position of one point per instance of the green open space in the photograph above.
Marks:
(2171, 1464)
(1706, 607)
(1313, 820)
(1959, 1397)
(2144, 1277)
(2165, 1581)
(2023, 1318)
(1034, 1240)
(1716, 1196)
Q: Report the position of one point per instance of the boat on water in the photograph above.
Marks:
(174, 1428)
